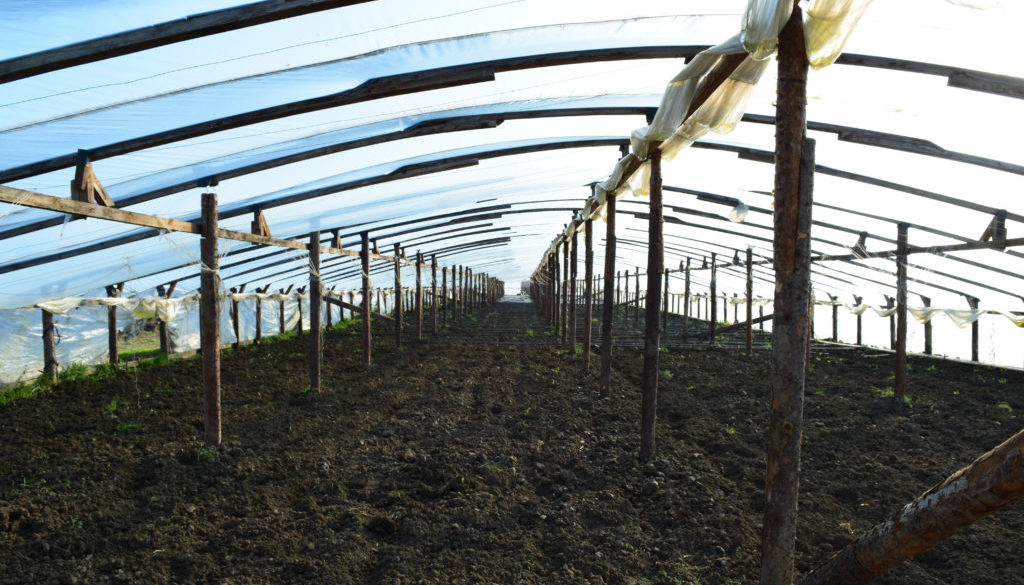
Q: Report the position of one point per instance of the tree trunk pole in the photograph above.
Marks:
(588, 293)
(991, 482)
(794, 171)
(419, 295)
(636, 306)
(652, 317)
(664, 312)
(607, 313)
(364, 259)
(433, 290)
(900, 373)
(750, 301)
(315, 303)
(927, 328)
(860, 321)
(49, 348)
(973, 302)
(398, 295)
(565, 289)
(209, 322)
(444, 296)
(113, 291)
(713, 299)
(573, 262)
(686, 300)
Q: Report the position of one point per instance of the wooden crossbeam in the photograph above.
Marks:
(259, 224)
(357, 308)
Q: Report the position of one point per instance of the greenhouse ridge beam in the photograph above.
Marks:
(372, 89)
(165, 33)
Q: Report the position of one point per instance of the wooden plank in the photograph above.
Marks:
(61, 205)
(209, 323)
(358, 308)
(573, 302)
(165, 33)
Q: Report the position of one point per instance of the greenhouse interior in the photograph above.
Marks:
(779, 228)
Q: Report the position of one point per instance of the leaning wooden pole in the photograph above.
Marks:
(398, 295)
(991, 482)
(315, 303)
(652, 316)
(899, 386)
(209, 322)
(607, 312)
(794, 168)
(364, 259)
(588, 292)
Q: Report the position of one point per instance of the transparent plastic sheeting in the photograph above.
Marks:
(74, 122)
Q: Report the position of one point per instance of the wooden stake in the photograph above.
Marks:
(398, 295)
(636, 298)
(794, 171)
(900, 374)
(588, 293)
(607, 313)
(209, 322)
(364, 259)
(49, 348)
(973, 302)
(664, 313)
(315, 303)
(165, 341)
(652, 333)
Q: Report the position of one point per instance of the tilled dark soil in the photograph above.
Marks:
(469, 462)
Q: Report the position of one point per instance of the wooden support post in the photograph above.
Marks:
(750, 301)
(281, 322)
(573, 289)
(927, 327)
(444, 297)
(564, 297)
(298, 301)
(794, 172)
(860, 320)
(899, 387)
(652, 317)
(209, 322)
(165, 341)
(890, 302)
(607, 313)
(113, 292)
(973, 302)
(588, 292)
(49, 348)
(664, 311)
(636, 305)
(419, 295)
(713, 299)
(835, 317)
(315, 303)
(398, 295)
(993, 481)
(686, 300)
(364, 259)
(234, 319)
(433, 290)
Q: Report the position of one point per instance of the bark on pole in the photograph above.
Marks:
(927, 328)
(398, 295)
(419, 295)
(49, 348)
(794, 168)
(750, 301)
(686, 300)
(113, 291)
(991, 482)
(433, 290)
(565, 289)
(444, 296)
(973, 302)
(574, 260)
(315, 303)
(713, 299)
(209, 322)
(652, 317)
(364, 259)
(664, 309)
(860, 320)
(636, 300)
(588, 293)
(900, 374)
(607, 313)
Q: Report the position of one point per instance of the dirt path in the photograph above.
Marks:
(457, 461)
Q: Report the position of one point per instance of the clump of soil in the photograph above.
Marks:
(468, 462)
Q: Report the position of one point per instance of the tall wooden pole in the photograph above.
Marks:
(973, 302)
(364, 259)
(209, 322)
(927, 327)
(750, 301)
(652, 317)
(49, 348)
(713, 299)
(860, 320)
(433, 290)
(419, 295)
(445, 306)
(664, 313)
(574, 260)
(607, 313)
(900, 373)
(794, 168)
(315, 303)
(588, 293)
(686, 300)
(113, 292)
(564, 297)
(398, 295)
(636, 298)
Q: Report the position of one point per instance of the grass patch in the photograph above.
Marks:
(25, 390)
(1005, 406)
(125, 427)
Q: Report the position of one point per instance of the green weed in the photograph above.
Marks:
(74, 371)
(26, 390)
(667, 374)
(730, 430)
(111, 408)
(125, 427)
(204, 454)
(886, 392)
(1004, 406)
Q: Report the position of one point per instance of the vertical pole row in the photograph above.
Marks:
(900, 375)
(209, 322)
(588, 293)
(608, 311)
(364, 259)
(315, 303)
(794, 168)
(750, 301)
(652, 318)
(398, 295)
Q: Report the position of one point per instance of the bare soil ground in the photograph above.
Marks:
(482, 457)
